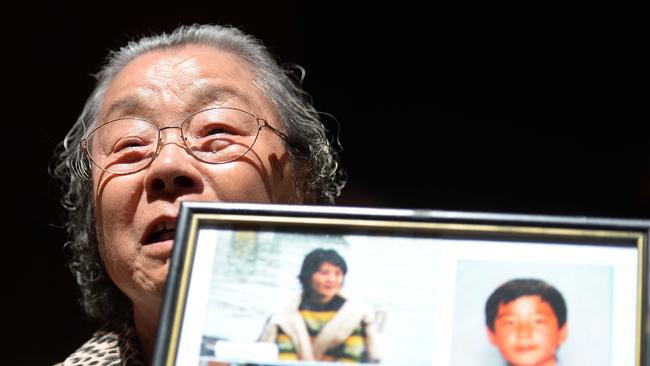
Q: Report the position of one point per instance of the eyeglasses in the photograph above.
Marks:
(214, 136)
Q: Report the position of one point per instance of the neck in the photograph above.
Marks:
(552, 361)
(317, 299)
(146, 326)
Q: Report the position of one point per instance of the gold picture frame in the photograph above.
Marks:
(425, 276)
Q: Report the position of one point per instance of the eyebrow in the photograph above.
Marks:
(203, 96)
(132, 104)
(212, 93)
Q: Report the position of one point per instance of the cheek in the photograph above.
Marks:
(317, 281)
(507, 337)
(547, 336)
(245, 181)
(270, 169)
(116, 201)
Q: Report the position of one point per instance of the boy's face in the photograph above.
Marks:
(526, 332)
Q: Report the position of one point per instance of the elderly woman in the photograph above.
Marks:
(321, 324)
(201, 114)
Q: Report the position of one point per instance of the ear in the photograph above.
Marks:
(491, 336)
(564, 332)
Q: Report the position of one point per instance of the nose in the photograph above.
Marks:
(333, 278)
(173, 172)
(524, 330)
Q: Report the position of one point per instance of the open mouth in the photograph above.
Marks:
(161, 232)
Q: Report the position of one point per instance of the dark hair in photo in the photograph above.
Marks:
(516, 288)
(312, 262)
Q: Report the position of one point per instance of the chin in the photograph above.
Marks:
(151, 284)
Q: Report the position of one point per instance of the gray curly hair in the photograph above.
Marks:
(315, 158)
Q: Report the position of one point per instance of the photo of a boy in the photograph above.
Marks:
(526, 320)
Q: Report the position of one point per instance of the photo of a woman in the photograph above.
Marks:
(320, 323)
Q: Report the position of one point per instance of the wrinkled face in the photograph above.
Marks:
(326, 282)
(526, 332)
(136, 213)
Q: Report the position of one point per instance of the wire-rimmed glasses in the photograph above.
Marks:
(214, 136)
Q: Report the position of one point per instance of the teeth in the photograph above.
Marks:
(165, 226)
(162, 231)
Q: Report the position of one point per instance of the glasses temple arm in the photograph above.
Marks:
(286, 139)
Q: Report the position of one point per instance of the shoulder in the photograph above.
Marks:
(356, 305)
(356, 310)
(286, 309)
(114, 342)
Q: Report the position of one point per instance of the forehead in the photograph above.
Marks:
(329, 266)
(530, 304)
(181, 79)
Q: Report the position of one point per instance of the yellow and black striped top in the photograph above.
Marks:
(315, 315)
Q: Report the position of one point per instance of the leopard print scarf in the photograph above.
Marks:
(114, 344)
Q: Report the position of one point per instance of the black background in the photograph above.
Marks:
(499, 108)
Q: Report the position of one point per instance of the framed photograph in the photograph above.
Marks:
(255, 284)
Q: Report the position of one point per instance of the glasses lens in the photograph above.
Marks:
(123, 146)
(220, 135)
